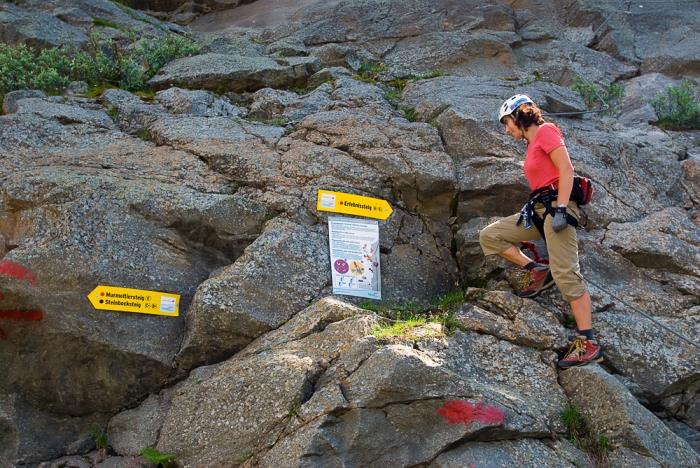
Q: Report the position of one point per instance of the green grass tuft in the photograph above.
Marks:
(154, 456)
(579, 434)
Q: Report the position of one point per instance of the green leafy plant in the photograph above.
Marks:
(158, 52)
(154, 456)
(101, 64)
(579, 434)
(592, 94)
(678, 107)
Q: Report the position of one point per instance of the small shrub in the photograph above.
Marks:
(592, 94)
(158, 52)
(579, 434)
(154, 456)
(102, 64)
(678, 108)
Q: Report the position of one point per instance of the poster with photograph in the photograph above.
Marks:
(354, 246)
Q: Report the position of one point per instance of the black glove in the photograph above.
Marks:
(559, 222)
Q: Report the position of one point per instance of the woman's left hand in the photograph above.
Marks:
(559, 222)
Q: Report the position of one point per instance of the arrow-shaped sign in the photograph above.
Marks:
(135, 300)
(339, 202)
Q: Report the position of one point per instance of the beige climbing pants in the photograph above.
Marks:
(562, 247)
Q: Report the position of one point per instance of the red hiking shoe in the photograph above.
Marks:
(540, 280)
(582, 352)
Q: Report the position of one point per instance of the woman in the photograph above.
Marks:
(550, 174)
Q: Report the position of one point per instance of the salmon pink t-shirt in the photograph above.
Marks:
(539, 169)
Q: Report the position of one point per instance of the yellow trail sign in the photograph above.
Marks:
(339, 202)
(135, 300)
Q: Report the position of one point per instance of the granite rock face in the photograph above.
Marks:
(207, 187)
(618, 416)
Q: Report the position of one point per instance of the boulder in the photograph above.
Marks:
(9, 103)
(473, 265)
(82, 13)
(29, 436)
(408, 154)
(269, 104)
(236, 150)
(662, 40)
(152, 237)
(639, 92)
(522, 452)
(255, 294)
(287, 47)
(617, 415)
(230, 45)
(132, 430)
(199, 103)
(508, 317)
(219, 72)
(327, 74)
(328, 387)
(464, 108)
(664, 240)
(661, 370)
(63, 113)
(490, 186)
(38, 30)
(342, 55)
(130, 111)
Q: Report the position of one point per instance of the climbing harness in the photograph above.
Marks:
(531, 247)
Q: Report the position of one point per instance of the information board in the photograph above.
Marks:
(354, 246)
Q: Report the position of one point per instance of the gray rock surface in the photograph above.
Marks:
(199, 103)
(639, 92)
(522, 452)
(38, 30)
(510, 318)
(276, 277)
(617, 415)
(333, 384)
(217, 72)
(172, 193)
(9, 103)
(30, 436)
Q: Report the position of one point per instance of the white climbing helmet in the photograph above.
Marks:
(511, 104)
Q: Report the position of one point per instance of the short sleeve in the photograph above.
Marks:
(550, 139)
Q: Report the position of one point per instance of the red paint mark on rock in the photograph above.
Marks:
(456, 411)
(31, 315)
(17, 271)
